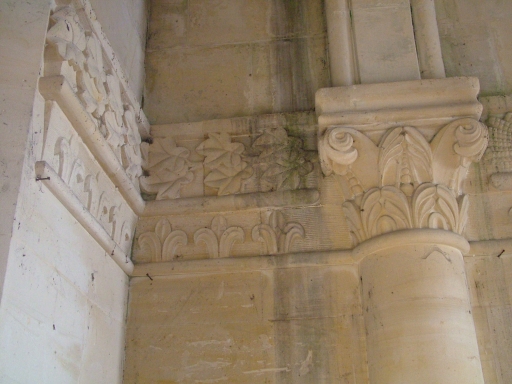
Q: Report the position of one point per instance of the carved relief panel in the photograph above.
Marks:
(228, 160)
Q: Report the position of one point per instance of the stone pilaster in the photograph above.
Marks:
(401, 152)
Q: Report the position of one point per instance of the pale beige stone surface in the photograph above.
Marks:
(475, 40)
(384, 41)
(62, 312)
(23, 27)
(226, 58)
(488, 282)
(125, 24)
(272, 326)
(206, 328)
(418, 315)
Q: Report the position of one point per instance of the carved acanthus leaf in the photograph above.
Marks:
(169, 169)
(339, 149)
(405, 159)
(388, 209)
(224, 164)
(163, 243)
(384, 210)
(454, 148)
(219, 239)
(278, 235)
(285, 162)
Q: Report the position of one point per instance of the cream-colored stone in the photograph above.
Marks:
(61, 287)
(474, 41)
(418, 314)
(384, 41)
(487, 282)
(270, 58)
(213, 327)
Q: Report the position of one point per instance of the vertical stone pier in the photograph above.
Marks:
(400, 152)
(417, 310)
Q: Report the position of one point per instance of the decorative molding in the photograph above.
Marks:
(225, 164)
(272, 235)
(219, 238)
(277, 235)
(404, 159)
(64, 151)
(92, 92)
(245, 202)
(404, 182)
(92, 225)
(163, 243)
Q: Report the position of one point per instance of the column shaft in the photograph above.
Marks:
(428, 43)
(341, 52)
(417, 312)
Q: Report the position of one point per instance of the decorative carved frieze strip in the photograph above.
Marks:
(226, 164)
(277, 234)
(162, 244)
(272, 235)
(82, 75)
(219, 238)
(57, 89)
(61, 190)
(64, 151)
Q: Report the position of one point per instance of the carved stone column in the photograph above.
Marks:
(401, 152)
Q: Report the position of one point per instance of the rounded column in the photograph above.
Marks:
(417, 309)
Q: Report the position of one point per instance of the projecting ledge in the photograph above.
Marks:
(240, 264)
(217, 204)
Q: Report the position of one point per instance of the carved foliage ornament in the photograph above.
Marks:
(284, 162)
(86, 188)
(224, 167)
(498, 157)
(276, 161)
(163, 244)
(169, 168)
(77, 54)
(405, 182)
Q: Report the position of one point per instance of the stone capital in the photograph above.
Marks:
(405, 168)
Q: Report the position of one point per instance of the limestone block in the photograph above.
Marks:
(214, 327)
(474, 41)
(490, 216)
(488, 278)
(384, 40)
(233, 58)
(60, 288)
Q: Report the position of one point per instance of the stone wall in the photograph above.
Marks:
(221, 59)
(475, 39)
(62, 310)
